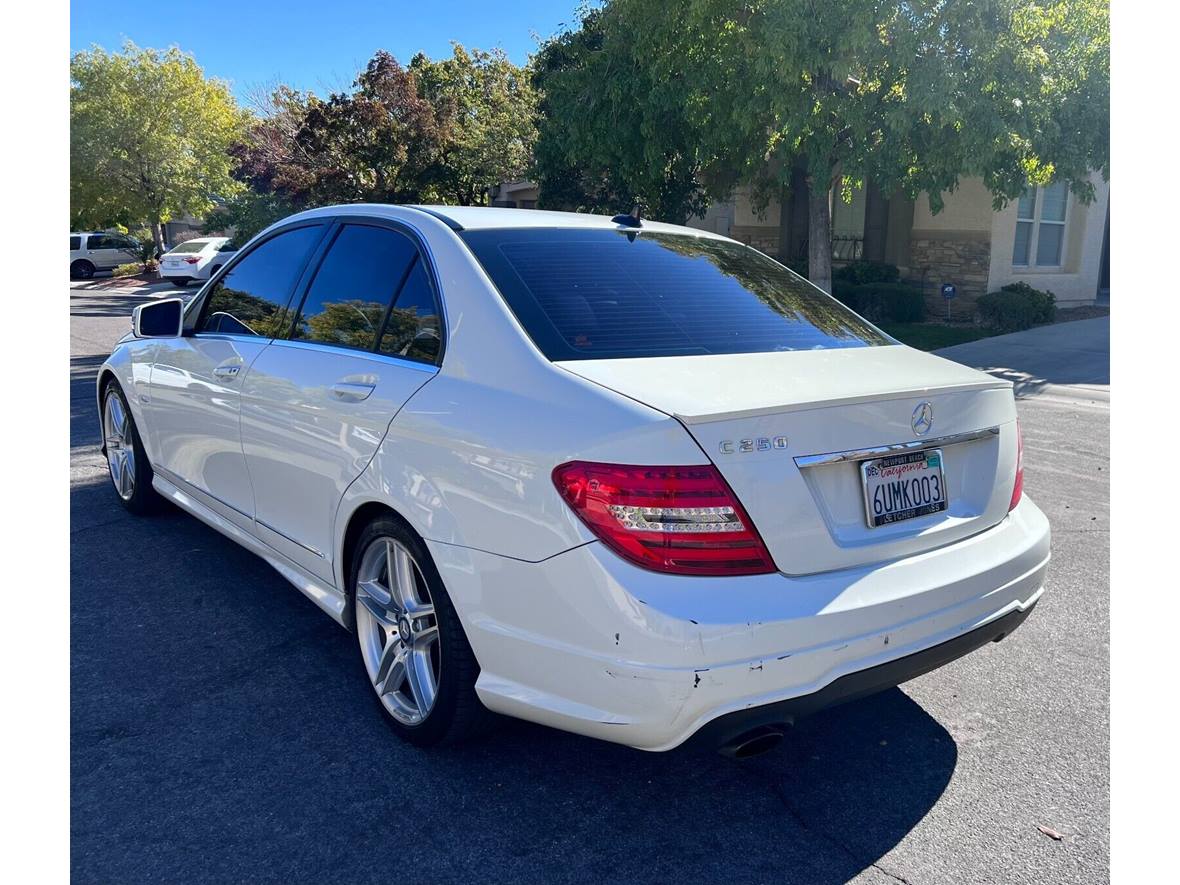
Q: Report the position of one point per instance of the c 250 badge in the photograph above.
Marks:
(759, 444)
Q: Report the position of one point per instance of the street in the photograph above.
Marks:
(222, 731)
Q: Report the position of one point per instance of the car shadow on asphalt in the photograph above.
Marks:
(222, 730)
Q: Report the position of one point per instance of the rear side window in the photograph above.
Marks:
(109, 241)
(252, 299)
(413, 329)
(598, 294)
(354, 286)
(75, 244)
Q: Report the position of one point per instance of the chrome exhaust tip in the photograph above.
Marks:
(752, 743)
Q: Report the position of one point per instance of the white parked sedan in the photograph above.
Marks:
(196, 259)
(627, 479)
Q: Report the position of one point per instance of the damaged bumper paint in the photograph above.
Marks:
(647, 659)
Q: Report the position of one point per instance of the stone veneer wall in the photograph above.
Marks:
(762, 238)
(961, 258)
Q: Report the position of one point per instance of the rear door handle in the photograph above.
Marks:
(351, 392)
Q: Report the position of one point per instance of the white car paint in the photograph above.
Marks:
(566, 632)
(182, 263)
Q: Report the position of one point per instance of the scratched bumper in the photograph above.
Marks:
(591, 644)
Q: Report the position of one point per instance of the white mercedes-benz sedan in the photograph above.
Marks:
(627, 479)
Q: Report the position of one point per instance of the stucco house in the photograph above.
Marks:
(1048, 238)
(519, 194)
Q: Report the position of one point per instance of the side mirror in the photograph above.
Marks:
(158, 319)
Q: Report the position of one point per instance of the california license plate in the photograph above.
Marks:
(903, 487)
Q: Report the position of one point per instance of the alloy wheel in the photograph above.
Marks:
(398, 631)
(120, 446)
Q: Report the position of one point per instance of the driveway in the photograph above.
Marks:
(221, 730)
(1064, 359)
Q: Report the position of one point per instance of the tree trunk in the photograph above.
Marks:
(784, 224)
(876, 223)
(819, 233)
(158, 237)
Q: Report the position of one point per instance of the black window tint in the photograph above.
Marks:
(600, 294)
(252, 298)
(98, 241)
(413, 329)
(353, 287)
(75, 244)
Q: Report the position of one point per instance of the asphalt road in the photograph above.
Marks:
(221, 730)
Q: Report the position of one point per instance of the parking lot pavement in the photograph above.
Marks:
(222, 730)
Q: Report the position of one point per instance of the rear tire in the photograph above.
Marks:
(81, 270)
(131, 474)
(414, 654)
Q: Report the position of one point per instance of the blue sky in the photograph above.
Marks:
(314, 45)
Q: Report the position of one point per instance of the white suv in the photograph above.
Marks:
(196, 259)
(100, 250)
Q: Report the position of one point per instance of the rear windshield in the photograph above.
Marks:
(598, 294)
(190, 246)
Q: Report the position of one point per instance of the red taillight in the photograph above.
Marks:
(1018, 485)
(191, 260)
(683, 520)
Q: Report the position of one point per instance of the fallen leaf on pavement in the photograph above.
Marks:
(1050, 832)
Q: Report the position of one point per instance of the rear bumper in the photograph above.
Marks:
(859, 684)
(588, 643)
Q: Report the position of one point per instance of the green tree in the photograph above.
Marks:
(487, 109)
(609, 136)
(248, 213)
(149, 137)
(437, 131)
(913, 95)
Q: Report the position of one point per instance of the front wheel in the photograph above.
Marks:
(413, 648)
(81, 270)
(130, 471)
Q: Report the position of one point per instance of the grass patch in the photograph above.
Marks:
(928, 336)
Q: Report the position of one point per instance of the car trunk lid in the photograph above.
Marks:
(788, 431)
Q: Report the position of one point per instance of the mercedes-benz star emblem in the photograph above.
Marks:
(923, 419)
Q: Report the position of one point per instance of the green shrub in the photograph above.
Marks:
(883, 302)
(1016, 307)
(132, 269)
(860, 272)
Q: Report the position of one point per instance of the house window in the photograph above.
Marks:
(1040, 226)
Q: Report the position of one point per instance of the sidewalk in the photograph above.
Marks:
(1067, 360)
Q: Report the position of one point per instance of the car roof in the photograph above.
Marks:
(496, 217)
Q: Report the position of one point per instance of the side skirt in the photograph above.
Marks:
(327, 598)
